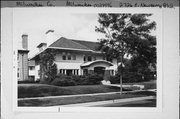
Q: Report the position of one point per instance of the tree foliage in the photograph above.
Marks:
(128, 35)
(48, 69)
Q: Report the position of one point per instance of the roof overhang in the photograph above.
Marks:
(87, 64)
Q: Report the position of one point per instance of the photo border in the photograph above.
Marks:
(159, 98)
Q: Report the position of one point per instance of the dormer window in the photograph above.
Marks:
(42, 46)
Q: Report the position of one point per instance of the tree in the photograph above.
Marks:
(48, 69)
(128, 34)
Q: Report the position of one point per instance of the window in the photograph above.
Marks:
(69, 57)
(89, 58)
(18, 74)
(104, 58)
(39, 72)
(74, 57)
(64, 57)
(84, 58)
(94, 57)
(60, 71)
(31, 68)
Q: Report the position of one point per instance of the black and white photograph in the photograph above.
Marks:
(85, 59)
(79, 61)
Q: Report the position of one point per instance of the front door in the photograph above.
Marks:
(99, 70)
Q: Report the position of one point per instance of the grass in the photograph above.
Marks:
(79, 99)
(42, 90)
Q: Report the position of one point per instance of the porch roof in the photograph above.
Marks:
(96, 61)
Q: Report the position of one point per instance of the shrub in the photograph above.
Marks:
(93, 79)
(131, 77)
(80, 80)
(63, 82)
(114, 79)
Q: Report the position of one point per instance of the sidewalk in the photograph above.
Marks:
(100, 103)
(48, 97)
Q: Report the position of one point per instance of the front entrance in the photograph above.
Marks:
(99, 70)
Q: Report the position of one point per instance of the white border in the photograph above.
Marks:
(155, 11)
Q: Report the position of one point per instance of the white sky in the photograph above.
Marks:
(35, 22)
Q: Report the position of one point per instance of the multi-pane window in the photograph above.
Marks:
(89, 58)
(74, 57)
(64, 57)
(31, 68)
(84, 58)
(69, 57)
(94, 57)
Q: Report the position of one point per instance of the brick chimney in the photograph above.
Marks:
(25, 41)
(49, 37)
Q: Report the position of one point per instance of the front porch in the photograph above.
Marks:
(99, 67)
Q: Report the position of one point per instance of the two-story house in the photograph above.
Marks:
(75, 57)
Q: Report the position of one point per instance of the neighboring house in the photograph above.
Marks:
(75, 57)
(22, 58)
(31, 67)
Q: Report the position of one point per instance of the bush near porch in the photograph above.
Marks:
(64, 80)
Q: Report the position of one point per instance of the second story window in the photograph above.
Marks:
(104, 58)
(74, 57)
(64, 57)
(84, 58)
(69, 57)
(89, 58)
(94, 57)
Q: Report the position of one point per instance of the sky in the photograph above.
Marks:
(36, 22)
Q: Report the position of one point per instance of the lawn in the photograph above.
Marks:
(80, 99)
(42, 90)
